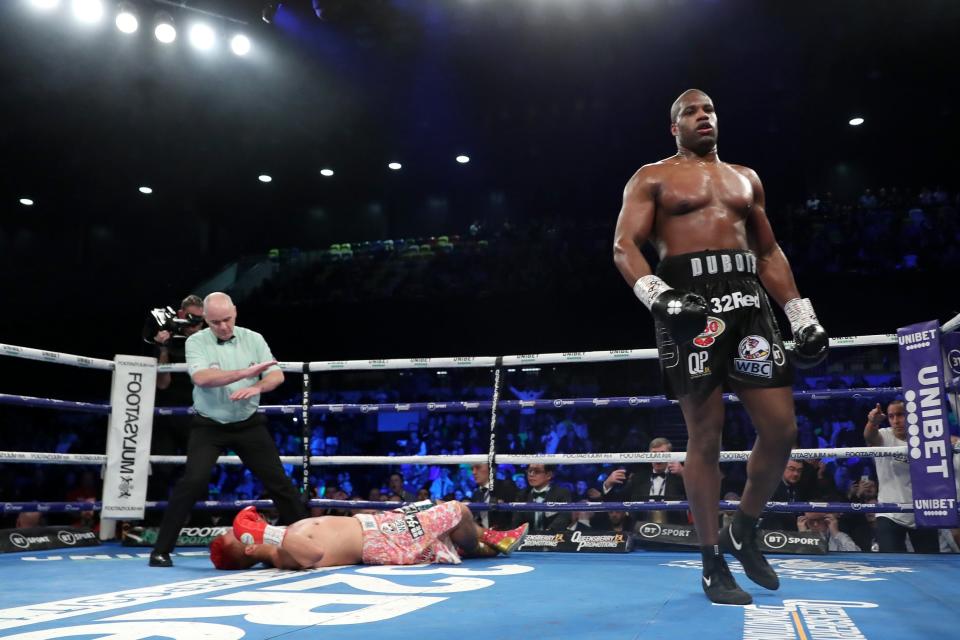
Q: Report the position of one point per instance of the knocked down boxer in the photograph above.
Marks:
(416, 534)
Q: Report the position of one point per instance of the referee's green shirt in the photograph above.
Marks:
(205, 351)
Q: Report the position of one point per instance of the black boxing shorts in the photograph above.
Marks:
(741, 342)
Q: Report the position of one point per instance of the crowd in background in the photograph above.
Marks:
(913, 230)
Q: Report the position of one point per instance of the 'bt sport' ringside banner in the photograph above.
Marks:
(128, 439)
(929, 449)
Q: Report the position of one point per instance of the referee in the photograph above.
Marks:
(230, 367)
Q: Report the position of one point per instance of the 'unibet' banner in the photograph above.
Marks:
(128, 439)
(928, 433)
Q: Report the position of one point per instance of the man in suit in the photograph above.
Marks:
(542, 489)
(504, 490)
(656, 482)
(790, 489)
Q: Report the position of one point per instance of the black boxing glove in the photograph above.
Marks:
(810, 340)
(682, 313)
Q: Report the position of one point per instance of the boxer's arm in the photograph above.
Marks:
(634, 226)
(773, 268)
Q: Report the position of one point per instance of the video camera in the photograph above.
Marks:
(166, 319)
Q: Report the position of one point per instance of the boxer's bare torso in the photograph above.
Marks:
(339, 537)
(698, 205)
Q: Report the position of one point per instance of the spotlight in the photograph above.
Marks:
(240, 44)
(269, 12)
(45, 4)
(145, 190)
(88, 11)
(856, 122)
(326, 172)
(318, 8)
(127, 18)
(264, 178)
(396, 166)
(202, 37)
(463, 159)
(165, 31)
(27, 202)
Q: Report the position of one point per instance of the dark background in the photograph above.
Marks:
(557, 103)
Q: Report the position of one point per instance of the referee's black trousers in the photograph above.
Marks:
(209, 439)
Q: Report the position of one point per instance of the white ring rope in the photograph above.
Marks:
(55, 356)
(425, 363)
(560, 458)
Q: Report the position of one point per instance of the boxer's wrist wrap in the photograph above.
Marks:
(273, 535)
(800, 313)
(648, 288)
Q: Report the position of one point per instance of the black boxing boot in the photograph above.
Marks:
(810, 340)
(717, 581)
(740, 539)
(682, 313)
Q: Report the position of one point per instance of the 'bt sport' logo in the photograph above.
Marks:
(754, 357)
(954, 358)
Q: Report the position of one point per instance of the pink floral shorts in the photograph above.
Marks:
(395, 537)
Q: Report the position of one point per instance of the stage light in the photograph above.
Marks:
(856, 122)
(264, 178)
(202, 37)
(45, 5)
(396, 166)
(463, 159)
(27, 202)
(127, 18)
(88, 11)
(145, 190)
(326, 172)
(165, 32)
(240, 44)
(269, 12)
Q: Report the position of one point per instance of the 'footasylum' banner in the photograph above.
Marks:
(189, 536)
(804, 542)
(128, 438)
(41, 538)
(929, 450)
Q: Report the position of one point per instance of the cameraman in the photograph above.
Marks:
(171, 433)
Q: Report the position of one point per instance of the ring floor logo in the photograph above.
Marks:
(807, 619)
(813, 570)
(327, 597)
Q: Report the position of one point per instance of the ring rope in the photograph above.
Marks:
(615, 402)
(424, 363)
(669, 505)
(492, 455)
(560, 458)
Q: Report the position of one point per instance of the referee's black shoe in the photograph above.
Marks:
(739, 538)
(719, 585)
(160, 559)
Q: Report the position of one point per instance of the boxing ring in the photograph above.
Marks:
(108, 591)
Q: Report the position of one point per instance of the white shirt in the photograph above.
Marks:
(893, 476)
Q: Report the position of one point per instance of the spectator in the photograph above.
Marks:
(503, 491)
(580, 521)
(397, 486)
(827, 525)
(862, 526)
(789, 490)
(542, 489)
(893, 475)
(650, 482)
